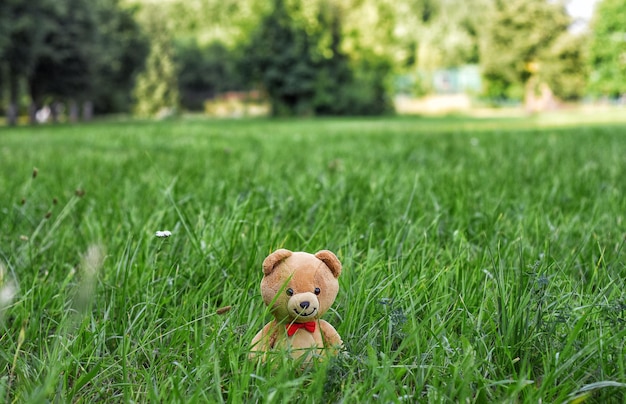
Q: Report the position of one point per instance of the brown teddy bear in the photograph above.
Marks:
(299, 288)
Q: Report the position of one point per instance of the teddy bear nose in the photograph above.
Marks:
(305, 305)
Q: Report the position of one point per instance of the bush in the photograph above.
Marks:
(206, 71)
(305, 72)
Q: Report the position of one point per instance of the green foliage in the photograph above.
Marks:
(229, 22)
(473, 272)
(71, 50)
(121, 51)
(27, 26)
(608, 49)
(156, 91)
(564, 66)
(207, 71)
(370, 92)
(5, 30)
(515, 35)
(319, 57)
(280, 55)
(333, 72)
(305, 71)
(65, 67)
(436, 34)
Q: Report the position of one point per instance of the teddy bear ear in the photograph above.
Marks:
(274, 259)
(331, 262)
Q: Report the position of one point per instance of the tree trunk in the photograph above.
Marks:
(54, 111)
(32, 113)
(74, 111)
(12, 114)
(87, 111)
(36, 102)
(12, 110)
(530, 98)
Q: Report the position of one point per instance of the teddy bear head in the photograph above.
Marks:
(300, 287)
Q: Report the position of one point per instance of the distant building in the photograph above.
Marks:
(457, 80)
(438, 91)
(454, 80)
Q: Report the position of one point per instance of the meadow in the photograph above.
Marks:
(483, 258)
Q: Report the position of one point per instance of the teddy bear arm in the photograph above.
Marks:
(331, 336)
(262, 340)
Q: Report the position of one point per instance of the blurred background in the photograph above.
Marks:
(70, 60)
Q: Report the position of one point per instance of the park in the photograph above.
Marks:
(482, 250)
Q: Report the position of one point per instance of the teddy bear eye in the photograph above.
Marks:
(289, 292)
(317, 291)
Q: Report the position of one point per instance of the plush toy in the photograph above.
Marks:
(299, 288)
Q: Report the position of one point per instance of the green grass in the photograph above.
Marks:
(483, 259)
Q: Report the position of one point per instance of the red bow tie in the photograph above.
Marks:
(293, 327)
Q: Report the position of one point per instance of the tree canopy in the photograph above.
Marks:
(312, 57)
(156, 91)
(68, 50)
(517, 34)
(608, 49)
(302, 64)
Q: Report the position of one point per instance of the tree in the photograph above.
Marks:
(608, 49)
(298, 55)
(28, 25)
(564, 68)
(5, 31)
(280, 57)
(122, 49)
(4, 43)
(206, 71)
(65, 68)
(156, 90)
(305, 64)
(517, 33)
(439, 34)
(228, 22)
(67, 51)
(333, 73)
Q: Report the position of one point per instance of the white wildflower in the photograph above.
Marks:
(163, 233)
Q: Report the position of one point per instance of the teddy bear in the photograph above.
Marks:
(298, 288)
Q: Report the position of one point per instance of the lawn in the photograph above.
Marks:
(483, 258)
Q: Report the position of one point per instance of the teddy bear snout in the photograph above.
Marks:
(303, 305)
